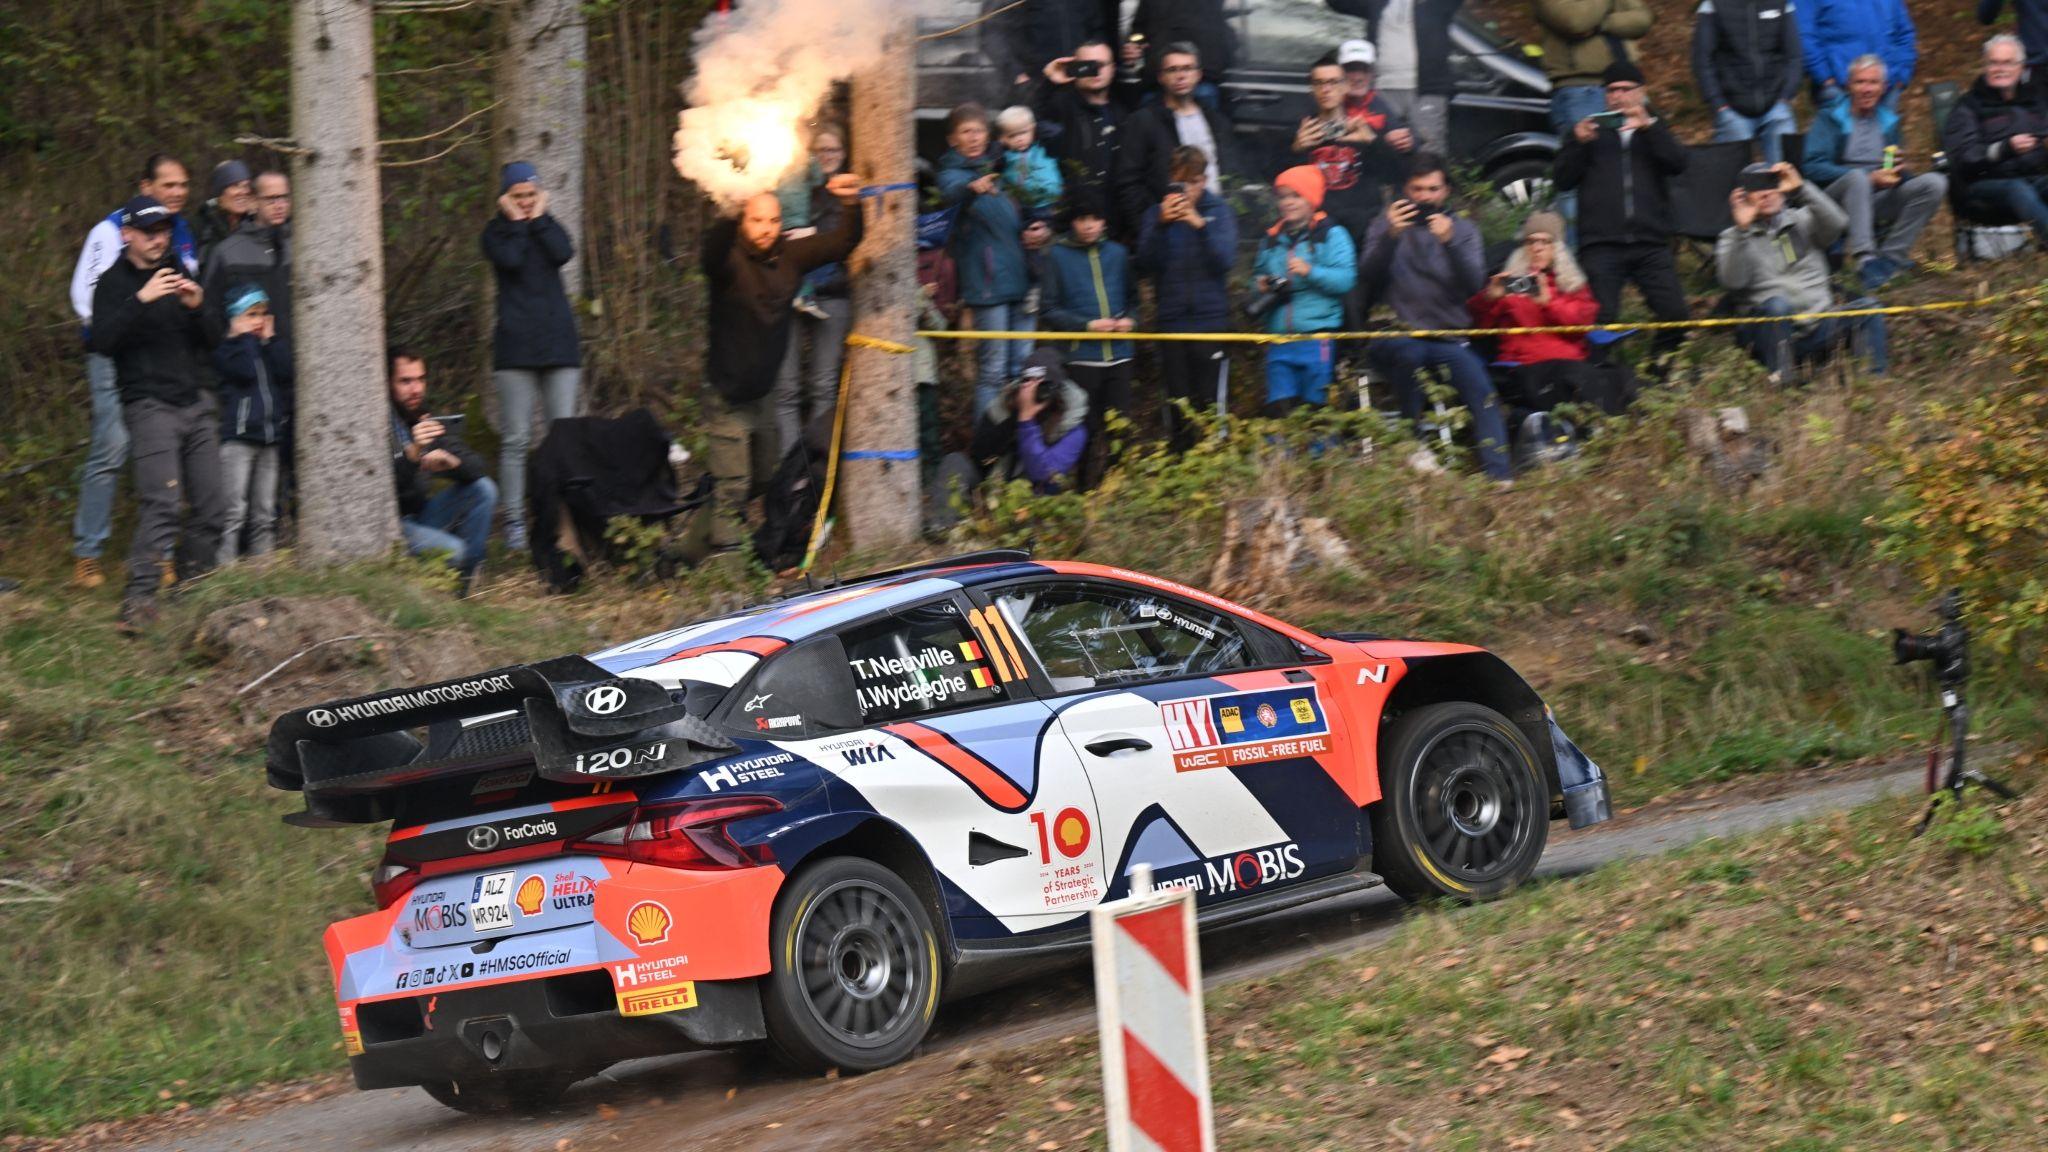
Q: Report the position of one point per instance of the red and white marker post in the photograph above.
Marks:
(1148, 1001)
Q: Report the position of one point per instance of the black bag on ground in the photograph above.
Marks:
(588, 470)
(790, 506)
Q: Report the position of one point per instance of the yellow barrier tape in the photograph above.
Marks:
(1455, 333)
(818, 522)
(959, 28)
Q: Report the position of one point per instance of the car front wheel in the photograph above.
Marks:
(855, 982)
(1464, 812)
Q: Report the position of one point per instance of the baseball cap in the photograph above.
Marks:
(148, 214)
(1357, 52)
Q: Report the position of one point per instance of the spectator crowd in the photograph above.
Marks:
(1099, 202)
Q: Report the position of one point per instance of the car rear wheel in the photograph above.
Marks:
(1464, 811)
(855, 982)
(509, 1093)
(1524, 184)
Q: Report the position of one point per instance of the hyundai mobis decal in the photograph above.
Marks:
(1239, 728)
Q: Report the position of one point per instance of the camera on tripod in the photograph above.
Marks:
(1947, 647)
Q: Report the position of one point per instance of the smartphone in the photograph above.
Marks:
(452, 422)
(1082, 69)
(1176, 189)
(1610, 119)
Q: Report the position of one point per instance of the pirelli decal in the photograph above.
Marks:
(994, 634)
(669, 998)
(1237, 729)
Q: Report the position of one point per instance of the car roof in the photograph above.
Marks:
(765, 628)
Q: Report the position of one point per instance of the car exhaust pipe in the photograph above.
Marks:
(492, 1047)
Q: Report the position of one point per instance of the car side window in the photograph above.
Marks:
(1091, 635)
(917, 662)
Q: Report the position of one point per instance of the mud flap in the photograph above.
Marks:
(1585, 787)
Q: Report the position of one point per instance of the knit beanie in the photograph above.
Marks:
(1548, 223)
(1305, 181)
(518, 172)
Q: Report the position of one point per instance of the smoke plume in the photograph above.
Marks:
(762, 71)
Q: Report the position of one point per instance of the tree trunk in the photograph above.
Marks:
(880, 493)
(348, 504)
(540, 79)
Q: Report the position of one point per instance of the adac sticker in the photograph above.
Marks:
(668, 998)
(1240, 728)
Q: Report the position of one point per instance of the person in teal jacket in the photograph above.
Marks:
(1304, 269)
(1852, 154)
(1087, 288)
(988, 249)
(1032, 176)
(1833, 33)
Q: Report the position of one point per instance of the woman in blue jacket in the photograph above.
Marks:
(535, 352)
(1304, 269)
(988, 249)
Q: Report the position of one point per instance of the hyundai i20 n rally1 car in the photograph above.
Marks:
(807, 821)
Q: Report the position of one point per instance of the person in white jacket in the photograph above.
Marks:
(165, 180)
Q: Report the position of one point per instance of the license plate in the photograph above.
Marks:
(490, 905)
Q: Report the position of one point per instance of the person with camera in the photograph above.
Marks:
(1187, 245)
(255, 368)
(1358, 153)
(1020, 39)
(1997, 139)
(1745, 58)
(1081, 113)
(1035, 429)
(1176, 120)
(149, 317)
(988, 246)
(1774, 261)
(1412, 42)
(166, 181)
(1620, 163)
(1853, 152)
(1542, 287)
(1305, 267)
(455, 521)
(1424, 261)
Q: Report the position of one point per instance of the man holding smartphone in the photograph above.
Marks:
(150, 319)
(455, 521)
(1620, 163)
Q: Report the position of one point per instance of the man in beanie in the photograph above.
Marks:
(534, 354)
(1424, 262)
(754, 273)
(1580, 39)
(1088, 287)
(150, 319)
(1622, 177)
(1305, 267)
(230, 199)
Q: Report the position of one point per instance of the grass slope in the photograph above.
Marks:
(1832, 986)
(162, 946)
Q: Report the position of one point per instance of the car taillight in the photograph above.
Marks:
(686, 834)
(392, 881)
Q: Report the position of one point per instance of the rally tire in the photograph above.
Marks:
(1464, 812)
(505, 1094)
(855, 978)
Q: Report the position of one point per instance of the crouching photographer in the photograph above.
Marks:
(1542, 287)
(1304, 269)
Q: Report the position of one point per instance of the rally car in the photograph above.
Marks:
(807, 821)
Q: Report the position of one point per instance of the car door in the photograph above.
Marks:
(956, 749)
(1203, 734)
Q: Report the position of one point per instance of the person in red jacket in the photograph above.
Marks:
(1542, 286)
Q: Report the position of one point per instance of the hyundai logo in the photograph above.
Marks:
(605, 700)
(321, 718)
(483, 838)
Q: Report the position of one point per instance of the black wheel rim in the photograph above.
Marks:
(860, 963)
(1474, 799)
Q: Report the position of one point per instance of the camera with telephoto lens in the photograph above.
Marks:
(1520, 285)
(1947, 647)
(1277, 293)
(1082, 69)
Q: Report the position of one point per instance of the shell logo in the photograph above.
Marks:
(648, 923)
(530, 894)
(1070, 832)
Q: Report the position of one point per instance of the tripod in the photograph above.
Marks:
(1956, 714)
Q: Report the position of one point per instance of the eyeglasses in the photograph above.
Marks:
(1337, 83)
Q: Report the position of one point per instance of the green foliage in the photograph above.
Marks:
(636, 545)
(1966, 829)
(1972, 511)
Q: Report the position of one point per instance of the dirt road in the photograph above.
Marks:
(743, 1102)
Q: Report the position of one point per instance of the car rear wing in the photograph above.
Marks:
(568, 717)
